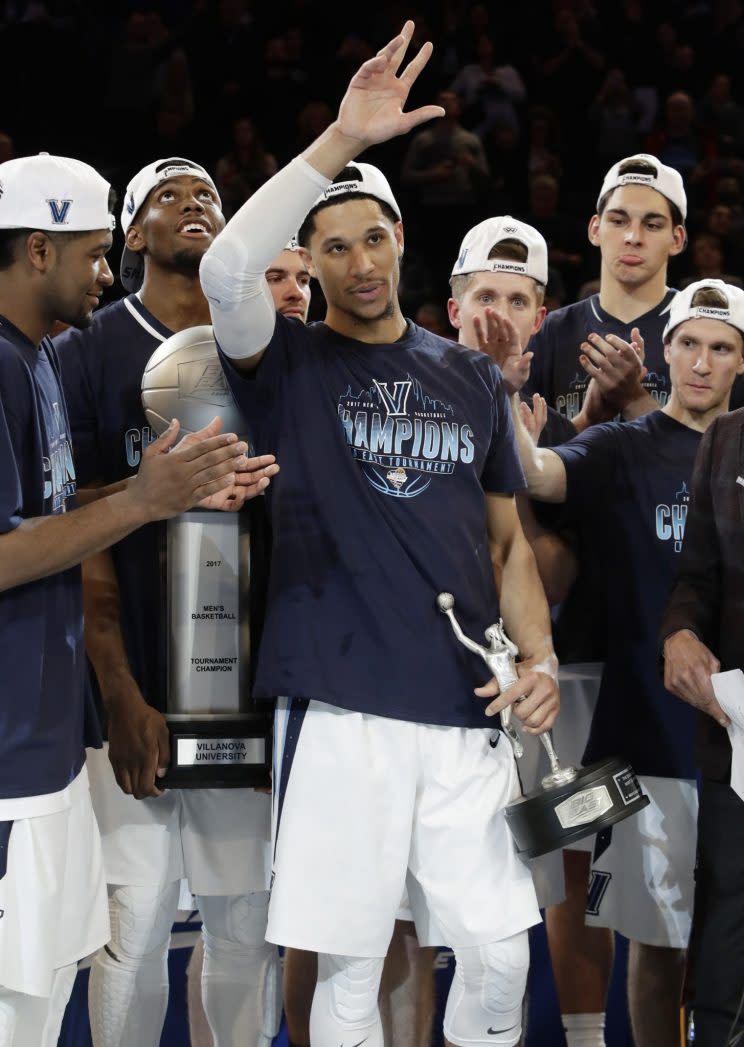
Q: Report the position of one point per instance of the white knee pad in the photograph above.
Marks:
(353, 986)
(238, 918)
(141, 921)
(128, 988)
(485, 1001)
(241, 977)
(345, 1002)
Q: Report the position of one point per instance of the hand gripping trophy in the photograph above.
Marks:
(571, 803)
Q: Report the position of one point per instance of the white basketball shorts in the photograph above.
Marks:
(360, 800)
(219, 840)
(641, 882)
(53, 901)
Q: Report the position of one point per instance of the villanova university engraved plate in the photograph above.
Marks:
(193, 751)
(218, 738)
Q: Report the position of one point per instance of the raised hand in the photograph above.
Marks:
(498, 338)
(371, 111)
(534, 418)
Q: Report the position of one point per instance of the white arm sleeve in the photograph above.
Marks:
(232, 270)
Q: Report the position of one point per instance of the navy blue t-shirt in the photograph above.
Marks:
(556, 372)
(46, 716)
(102, 368)
(386, 452)
(558, 376)
(630, 482)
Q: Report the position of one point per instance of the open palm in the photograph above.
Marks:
(372, 108)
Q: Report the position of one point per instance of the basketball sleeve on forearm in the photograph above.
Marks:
(232, 270)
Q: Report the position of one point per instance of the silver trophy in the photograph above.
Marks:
(218, 737)
(571, 803)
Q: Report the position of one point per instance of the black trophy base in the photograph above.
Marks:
(219, 754)
(551, 818)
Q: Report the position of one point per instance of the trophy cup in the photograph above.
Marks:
(217, 737)
(571, 802)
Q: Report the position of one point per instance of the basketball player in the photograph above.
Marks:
(217, 839)
(400, 485)
(638, 226)
(630, 482)
(55, 231)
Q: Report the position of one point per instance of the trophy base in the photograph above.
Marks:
(219, 753)
(551, 818)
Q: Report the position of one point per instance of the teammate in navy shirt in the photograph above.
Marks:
(400, 482)
(637, 227)
(56, 227)
(631, 483)
(171, 214)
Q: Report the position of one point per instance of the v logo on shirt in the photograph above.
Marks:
(396, 404)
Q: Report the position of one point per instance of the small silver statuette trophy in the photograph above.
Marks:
(218, 737)
(571, 803)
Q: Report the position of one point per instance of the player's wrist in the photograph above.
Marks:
(131, 506)
(593, 413)
(330, 153)
(679, 634)
(543, 660)
(120, 692)
(639, 404)
(548, 665)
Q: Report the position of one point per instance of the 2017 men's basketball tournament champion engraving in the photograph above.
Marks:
(217, 737)
(572, 802)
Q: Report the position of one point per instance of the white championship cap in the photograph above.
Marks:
(666, 181)
(54, 194)
(681, 308)
(132, 268)
(372, 182)
(476, 247)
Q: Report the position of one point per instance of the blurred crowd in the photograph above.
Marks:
(541, 97)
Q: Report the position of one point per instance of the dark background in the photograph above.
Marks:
(549, 94)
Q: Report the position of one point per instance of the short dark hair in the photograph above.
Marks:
(510, 250)
(640, 167)
(11, 239)
(710, 296)
(348, 174)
